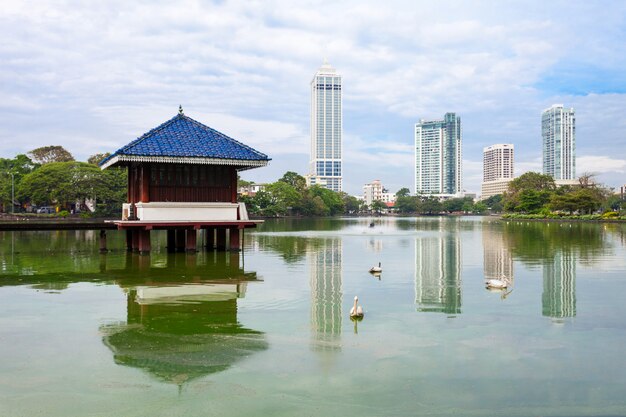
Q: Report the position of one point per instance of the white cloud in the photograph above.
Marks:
(91, 75)
(600, 165)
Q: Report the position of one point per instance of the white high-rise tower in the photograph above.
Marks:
(438, 156)
(558, 132)
(326, 129)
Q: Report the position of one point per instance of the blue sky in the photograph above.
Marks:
(92, 76)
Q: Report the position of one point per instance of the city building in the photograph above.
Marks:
(438, 157)
(497, 169)
(325, 166)
(375, 191)
(558, 132)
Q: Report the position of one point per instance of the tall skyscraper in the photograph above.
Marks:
(558, 131)
(438, 156)
(326, 129)
(497, 169)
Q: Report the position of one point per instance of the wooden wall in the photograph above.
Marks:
(182, 183)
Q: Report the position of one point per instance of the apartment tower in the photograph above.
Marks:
(438, 156)
(326, 129)
(558, 132)
(497, 169)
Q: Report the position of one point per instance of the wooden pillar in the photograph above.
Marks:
(220, 239)
(103, 241)
(144, 241)
(234, 239)
(129, 240)
(233, 185)
(171, 240)
(180, 240)
(210, 238)
(190, 245)
(145, 183)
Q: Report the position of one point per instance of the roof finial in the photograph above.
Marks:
(180, 109)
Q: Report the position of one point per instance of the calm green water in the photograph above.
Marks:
(267, 332)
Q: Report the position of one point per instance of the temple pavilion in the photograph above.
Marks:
(182, 177)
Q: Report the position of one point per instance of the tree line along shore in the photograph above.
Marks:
(51, 181)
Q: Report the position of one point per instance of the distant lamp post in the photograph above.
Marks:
(12, 192)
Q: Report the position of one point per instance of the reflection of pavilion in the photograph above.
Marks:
(438, 274)
(326, 294)
(178, 329)
(559, 286)
(497, 259)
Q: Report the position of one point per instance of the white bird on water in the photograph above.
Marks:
(356, 310)
(499, 284)
(376, 269)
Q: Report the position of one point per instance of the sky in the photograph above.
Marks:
(93, 76)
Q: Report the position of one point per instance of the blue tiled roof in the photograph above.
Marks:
(183, 137)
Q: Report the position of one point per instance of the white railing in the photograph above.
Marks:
(169, 211)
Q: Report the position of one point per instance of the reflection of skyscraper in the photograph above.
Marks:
(559, 286)
(326, 293)
(497, 260)
(438, 274)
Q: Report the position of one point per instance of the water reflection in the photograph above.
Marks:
(181, 316)
(438, 273)
(497, 258)
(559, 286)
(325, 265)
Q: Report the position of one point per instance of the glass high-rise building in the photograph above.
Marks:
(326, 129)
(438, 156)
(558, 132)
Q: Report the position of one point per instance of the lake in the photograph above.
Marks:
(267, 331)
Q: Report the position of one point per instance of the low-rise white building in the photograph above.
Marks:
(375, 191)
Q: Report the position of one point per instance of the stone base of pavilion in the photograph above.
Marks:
(183, 235)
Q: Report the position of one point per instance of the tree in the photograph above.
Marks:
(11, 173)
(406, 204)
(64, 183)
(48, 154)
(430, 205)
(95, 159)
(351, 203)
(403, 192)
(294, 179)
(378, 206)
(527, 191)
(494, 203)
(331, 199)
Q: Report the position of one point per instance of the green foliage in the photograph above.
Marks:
(406, 204)
(403, 192)
(351, 204)
(533, 193)
(494, 203)
(49, 154)
(294, 179)
(95, 159)
(378, 206)
(331, 199)
(65, 183)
